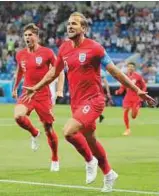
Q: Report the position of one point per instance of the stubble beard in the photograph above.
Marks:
(74, 37)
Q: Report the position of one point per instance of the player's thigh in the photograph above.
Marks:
(135, 108)
(44, 110)
(127, 103)
(20, 110)
(89, 111)
(72, 126)
(22, 107)
(136, 104)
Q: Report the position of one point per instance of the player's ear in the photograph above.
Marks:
(84, 28)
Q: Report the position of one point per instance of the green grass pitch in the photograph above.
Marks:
(135, 158)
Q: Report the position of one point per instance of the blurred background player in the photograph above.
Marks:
(32, 64)
(131, 100)
(106, 89)
(55, 88)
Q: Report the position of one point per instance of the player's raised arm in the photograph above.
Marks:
(122, 78)
(120, 90)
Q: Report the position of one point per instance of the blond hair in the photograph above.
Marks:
(84, 21)
(32, 27)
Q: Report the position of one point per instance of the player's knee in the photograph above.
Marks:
(18, 115)
(133, 116)
(71, 127)
(20, 111)
(67, 131)
(126, 110)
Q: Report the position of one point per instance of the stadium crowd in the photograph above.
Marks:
(119, 27)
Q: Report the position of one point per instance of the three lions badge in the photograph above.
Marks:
(82, 57)
(38, 60)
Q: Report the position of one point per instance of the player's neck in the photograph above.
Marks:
(131, 73)
(34, 48)
(78, 41)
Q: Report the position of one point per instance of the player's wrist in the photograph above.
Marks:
(138, 91)
(35, 88)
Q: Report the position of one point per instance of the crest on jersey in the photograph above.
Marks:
(82, 57)
(38, 60)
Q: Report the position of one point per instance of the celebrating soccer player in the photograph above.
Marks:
(82, 57)
(131, 100)
(33, 63)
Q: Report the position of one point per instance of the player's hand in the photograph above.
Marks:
(117, 92)
(143, 95)
(59, 94)
(14, 94)
(30, 92)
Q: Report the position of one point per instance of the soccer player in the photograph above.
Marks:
(131, 100)
(33, 63)
(83, 57)
(106, 92)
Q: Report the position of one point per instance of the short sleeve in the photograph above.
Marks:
(59, 62)
(52, 57)
(17, 57)
(99, 51)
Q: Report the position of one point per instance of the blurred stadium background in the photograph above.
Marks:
(130, 32)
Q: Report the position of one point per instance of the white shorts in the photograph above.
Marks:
(53, 89)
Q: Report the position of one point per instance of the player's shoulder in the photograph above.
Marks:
(47, 52)
(21, 53)
(65, 46)
(96, 47)
(46, 49)
(93, 43)
(137, 74)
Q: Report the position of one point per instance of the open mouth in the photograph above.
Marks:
(71, 31)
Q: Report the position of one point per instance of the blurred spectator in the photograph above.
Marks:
(118, 26)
